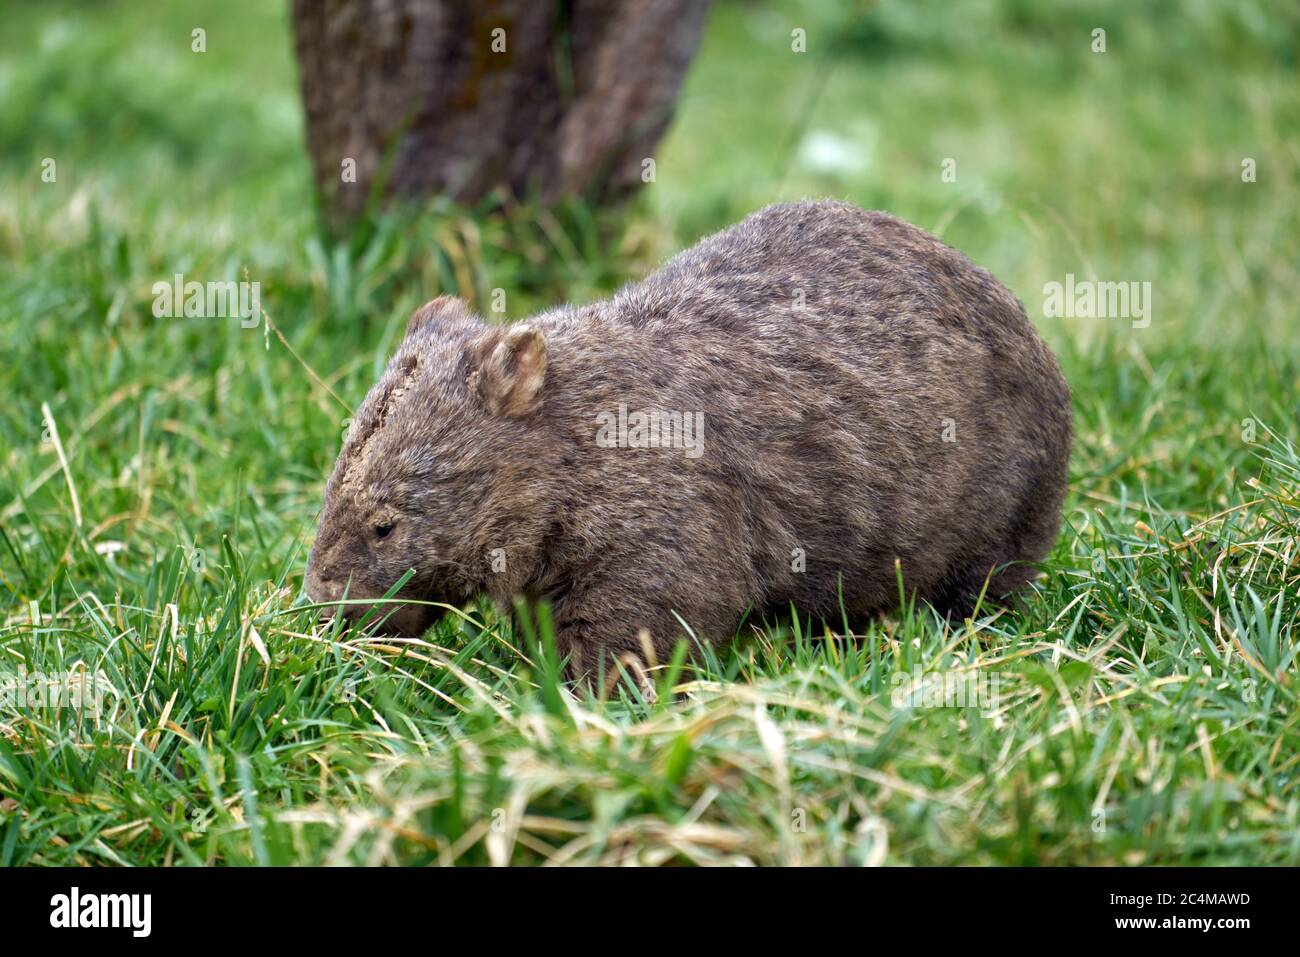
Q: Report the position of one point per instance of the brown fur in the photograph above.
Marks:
(834, 354)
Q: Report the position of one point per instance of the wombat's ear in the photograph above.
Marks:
(442, 309)
(510, 369)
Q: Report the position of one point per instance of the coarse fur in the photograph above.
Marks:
(868, 395)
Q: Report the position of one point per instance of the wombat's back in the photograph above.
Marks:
(869, 395)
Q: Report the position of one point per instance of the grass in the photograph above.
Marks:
(1147, 709)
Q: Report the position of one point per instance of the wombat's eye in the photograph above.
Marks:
(381, 531)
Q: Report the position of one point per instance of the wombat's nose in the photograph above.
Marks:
(320, 590)
(329, 594)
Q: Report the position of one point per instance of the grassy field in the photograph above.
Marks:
(159, 478)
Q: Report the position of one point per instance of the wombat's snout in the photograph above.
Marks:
(323, 584)
(321, 590)
(395, 617)
(327, 582)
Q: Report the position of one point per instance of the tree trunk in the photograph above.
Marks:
(552, 97)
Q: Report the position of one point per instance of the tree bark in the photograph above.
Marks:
(421, 96)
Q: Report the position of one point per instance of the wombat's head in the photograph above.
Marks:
(419, 483)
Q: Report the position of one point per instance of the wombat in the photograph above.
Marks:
(773, 418)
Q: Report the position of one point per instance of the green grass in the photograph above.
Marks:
(1148, 697)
